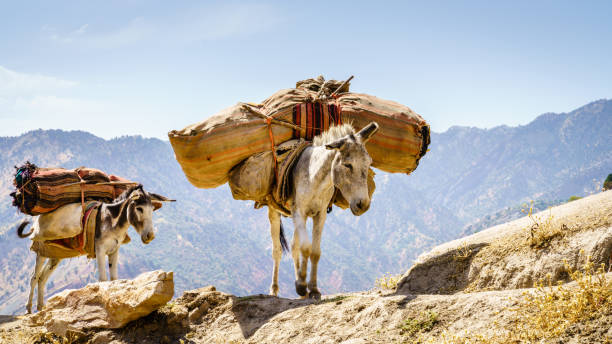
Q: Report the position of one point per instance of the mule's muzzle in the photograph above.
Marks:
(360, 207)
(147, 238)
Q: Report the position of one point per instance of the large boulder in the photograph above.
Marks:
(518, 253)
(106, 304)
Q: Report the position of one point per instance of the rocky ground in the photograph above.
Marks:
(477, 289)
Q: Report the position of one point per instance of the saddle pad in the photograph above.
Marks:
(78, 245)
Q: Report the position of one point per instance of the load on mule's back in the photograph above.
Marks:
(73, 222)
(265, 152)
(208, 150)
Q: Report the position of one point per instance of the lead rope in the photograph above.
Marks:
(22, 190)
(269, 122)
(82, 196)
(332, 200)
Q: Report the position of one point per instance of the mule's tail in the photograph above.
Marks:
(283, 240)
(20, 229)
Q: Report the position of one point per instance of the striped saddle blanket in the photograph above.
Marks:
(78, 245)
(42, 190)
(75, 246)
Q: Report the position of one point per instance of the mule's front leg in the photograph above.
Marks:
(113, 260)
(301, 252)
(317, 229)
(277, 253)
(101, 259)
(40, 263)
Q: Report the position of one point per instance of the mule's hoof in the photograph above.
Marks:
(300, 288)
(274, 290)
(315, 294)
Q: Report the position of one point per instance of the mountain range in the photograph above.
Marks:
(468, 176)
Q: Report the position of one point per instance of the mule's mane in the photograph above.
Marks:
(125, 194)
(332, 134)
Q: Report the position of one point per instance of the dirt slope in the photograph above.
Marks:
(462, 289)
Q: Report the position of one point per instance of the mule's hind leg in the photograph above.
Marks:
(275, 223)
(50, 266)
(40, 261)
(301, 252)
(317, 229)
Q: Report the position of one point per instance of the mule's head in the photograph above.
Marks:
(140, 207)
(350, 167)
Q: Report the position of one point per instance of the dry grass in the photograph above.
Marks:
(387, 282)
(38, 338)
(411, 327)
(549, 311)
(544, 229)
(552, 309)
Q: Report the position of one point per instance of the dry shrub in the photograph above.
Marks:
(542, 231)
(24, 337)
(464, 252)
(51, 338)
(387, 282)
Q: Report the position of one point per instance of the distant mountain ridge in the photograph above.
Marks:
(475, 171)
(209, 238)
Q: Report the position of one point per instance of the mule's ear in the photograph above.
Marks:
(367, 132)
(336, 145)
(157, 200)
(160, 198)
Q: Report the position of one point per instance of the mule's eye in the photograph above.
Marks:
(349, 166)
(139, 209)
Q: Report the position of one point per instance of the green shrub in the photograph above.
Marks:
(425, 323)
(607, 185)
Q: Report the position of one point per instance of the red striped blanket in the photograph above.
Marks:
(42, 190)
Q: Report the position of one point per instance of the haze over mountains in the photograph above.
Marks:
(209, 238)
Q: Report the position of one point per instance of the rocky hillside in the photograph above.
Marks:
(475, 289)
(206, 237)
(475, 172)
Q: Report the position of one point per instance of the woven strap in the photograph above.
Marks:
(273, 148)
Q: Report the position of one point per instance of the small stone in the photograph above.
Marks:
(102, 337)
(196, 314)
(179, 315)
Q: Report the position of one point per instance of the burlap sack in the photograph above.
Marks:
(254, 178)
(208, 150)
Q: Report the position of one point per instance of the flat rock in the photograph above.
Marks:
(106, 304)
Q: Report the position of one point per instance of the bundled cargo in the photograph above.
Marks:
(254, 178)
(208, 150)
(73, 244)
(42, 190)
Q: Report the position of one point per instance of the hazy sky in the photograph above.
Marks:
(146, 67)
